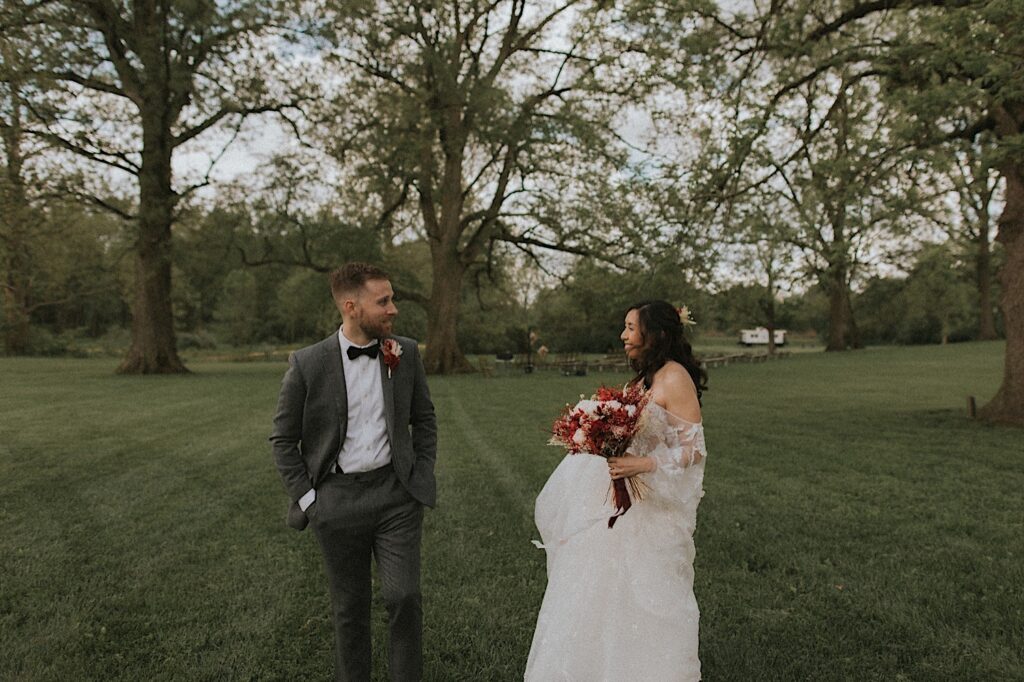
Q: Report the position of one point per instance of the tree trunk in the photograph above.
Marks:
(841, 330)
(15, 207)
(853, 333)
(153, 348)
(983, 272)
(17, 290)
(16, 319)
(17, 281)
(838, 320)
(769, 309)
(443, 355)
(1008, 403)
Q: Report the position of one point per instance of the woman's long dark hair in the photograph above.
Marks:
(663, 340)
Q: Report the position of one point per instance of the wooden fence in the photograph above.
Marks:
(575, 365)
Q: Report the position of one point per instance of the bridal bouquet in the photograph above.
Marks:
(604, 425)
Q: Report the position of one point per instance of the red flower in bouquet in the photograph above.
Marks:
(604, 425)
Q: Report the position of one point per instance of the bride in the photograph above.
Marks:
(619, 603)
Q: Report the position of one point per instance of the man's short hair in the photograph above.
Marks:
(351, 277)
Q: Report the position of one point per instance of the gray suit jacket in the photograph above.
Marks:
(312, 417)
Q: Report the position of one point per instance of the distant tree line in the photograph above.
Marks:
(82, 292)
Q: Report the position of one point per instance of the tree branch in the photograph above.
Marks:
(117, 160)
(86, 82)
(108, 20)
(864, 9)
(226, 110)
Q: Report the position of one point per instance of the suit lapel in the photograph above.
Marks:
(334, 370)
(389, 398)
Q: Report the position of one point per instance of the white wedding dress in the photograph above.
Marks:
(619, 603)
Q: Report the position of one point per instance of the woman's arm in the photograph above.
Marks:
(673, 390)
(629, 465)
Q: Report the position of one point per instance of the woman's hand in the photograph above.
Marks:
(629, 465)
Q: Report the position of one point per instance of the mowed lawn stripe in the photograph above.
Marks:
(479, 566)
(851, 487)
(156, 537)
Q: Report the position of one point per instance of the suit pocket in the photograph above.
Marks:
(296, 518)
(313, 510)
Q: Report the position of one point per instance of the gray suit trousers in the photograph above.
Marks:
(356, 517)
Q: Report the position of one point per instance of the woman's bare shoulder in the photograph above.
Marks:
(674, 375)
(676, 392)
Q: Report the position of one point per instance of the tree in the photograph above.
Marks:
(976, 186)
(204, 255)
(953, 68)
(17, 213)
(584, 313)
(38, 256)
(882, 311)
(936, 294)
(840, 195)
(768, 257)
(931, 304)
(495, 122)
(295, 218)
(124, 85)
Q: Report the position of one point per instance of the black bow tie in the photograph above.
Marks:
(370, 352)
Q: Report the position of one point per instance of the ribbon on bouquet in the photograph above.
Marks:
(621, 500)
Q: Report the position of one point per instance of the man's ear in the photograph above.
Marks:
(346, 305)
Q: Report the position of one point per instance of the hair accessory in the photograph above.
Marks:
(684, 316)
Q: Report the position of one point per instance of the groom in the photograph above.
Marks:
(355, 440)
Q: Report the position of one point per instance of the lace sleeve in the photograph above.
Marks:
(684, 447)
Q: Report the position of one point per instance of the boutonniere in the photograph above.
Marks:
(392, 352)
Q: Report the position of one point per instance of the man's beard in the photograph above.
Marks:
(376, 329)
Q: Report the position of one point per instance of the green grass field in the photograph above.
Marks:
(856, 525)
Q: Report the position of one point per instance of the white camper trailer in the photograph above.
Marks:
(759, 337)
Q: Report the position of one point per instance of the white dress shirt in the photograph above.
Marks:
(366, 445)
